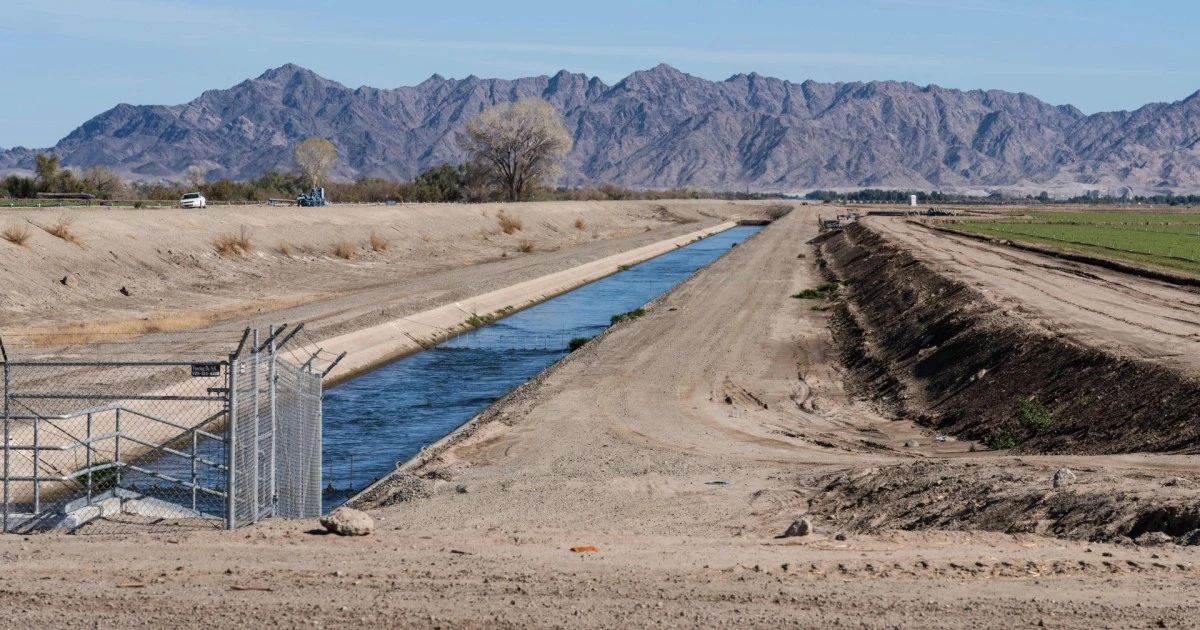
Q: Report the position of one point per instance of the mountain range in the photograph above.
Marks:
(661, 128)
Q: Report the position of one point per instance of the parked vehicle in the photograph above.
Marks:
(193, 200)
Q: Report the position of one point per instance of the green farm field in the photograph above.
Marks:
(1164, 240)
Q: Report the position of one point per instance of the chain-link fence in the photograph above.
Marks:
(206, 444)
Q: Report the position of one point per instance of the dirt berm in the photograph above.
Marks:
(935, 349)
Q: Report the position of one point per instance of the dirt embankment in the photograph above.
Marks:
(932, 347)
(112, 275)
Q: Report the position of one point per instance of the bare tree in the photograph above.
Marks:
(194, 176)
(516, 145)
(104, 182)
(314, 157)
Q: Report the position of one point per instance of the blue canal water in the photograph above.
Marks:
(385, 416)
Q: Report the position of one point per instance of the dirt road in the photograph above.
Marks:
(681, 445)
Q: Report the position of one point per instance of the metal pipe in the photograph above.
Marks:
(89, 459)
(117, 448)
(333, 365)
(37, 486)
(7, 450)
(231, 444)
(194, 479)
(283, 342)
(272, 333)
(274, 402)
(255, 443)
(241, 344)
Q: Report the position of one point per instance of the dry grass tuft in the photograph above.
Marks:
(234, 244)
(63, 229)
(580, 224)
(284, 248)
(344, 250)
(527, 247)
(16, 234)
(508, 224)
(378, 243)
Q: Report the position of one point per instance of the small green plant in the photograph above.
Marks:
(824, 291)
(475, 321)
(624, 267)
(102, 480)
(819, 307)
(138, 205)
(1004, 440)
(577, 343)
(1035, 416)
(634, 314)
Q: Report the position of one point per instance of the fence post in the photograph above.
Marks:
(230, 446)
(117, 450)
(88, 456)
(7, 449)
(37, 482)
(254, 449)
(194, 479)
(274, 402)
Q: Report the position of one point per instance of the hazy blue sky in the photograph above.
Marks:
(64, 61)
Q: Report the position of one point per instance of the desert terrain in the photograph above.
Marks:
(680, 445)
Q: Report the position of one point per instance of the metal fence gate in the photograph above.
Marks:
(221, 443)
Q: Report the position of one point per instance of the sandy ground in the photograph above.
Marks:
(165, 259)
(726, 379)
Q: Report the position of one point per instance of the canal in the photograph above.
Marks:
(386, 416)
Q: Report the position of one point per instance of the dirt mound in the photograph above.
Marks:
(934, 348)
(1015, 499)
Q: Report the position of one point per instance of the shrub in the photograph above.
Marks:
(580, 224)
(1004, 440)
(343, 249)
(823, 291)
(634, 314)
(577, 343)
(1035, 416)
(527, 247)
(378, 243)
(16, 234)
(234, 244)
(508, 224)
(62, 229)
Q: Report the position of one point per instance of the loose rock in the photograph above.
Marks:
(126, 292)
(1063, 477)
(348, 522)
(912, 444)
(69, 281)
(802, 527)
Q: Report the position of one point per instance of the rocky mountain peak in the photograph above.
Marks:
(661, 128)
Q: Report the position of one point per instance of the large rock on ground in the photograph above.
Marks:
(346, 521)
(802, 527)
(1063, 477)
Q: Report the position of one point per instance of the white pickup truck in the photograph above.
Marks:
(192, 200)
